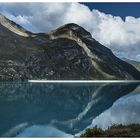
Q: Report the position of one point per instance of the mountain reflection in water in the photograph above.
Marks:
(69, 108)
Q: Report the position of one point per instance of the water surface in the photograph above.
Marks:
(65, 109)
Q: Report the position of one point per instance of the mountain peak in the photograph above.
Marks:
(71, 29)
(2, 17)
(13, 27)
(72, 26)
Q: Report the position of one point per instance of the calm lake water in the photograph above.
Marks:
(65, 110)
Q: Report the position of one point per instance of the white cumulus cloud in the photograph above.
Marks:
(122, 37)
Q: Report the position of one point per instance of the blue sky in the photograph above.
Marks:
(115, 25)
(117, 9)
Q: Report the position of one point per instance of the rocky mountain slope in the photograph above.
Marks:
(67, 53)
(136, 64)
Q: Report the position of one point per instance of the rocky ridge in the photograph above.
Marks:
(67, 53)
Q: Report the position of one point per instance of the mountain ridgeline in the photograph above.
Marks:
(67, 53)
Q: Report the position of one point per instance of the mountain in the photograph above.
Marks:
(136, 64)
(67, 53)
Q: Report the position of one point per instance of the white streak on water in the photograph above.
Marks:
(84, 81)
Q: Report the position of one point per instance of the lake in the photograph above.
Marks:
(65, 109)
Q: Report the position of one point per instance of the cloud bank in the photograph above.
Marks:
(122, 37)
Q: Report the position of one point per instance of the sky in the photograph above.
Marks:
(117, 9)
(115, 25)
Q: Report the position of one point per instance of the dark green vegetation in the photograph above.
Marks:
(132, 130)
(67, 53)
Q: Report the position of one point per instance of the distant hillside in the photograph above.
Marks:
(136, 64)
